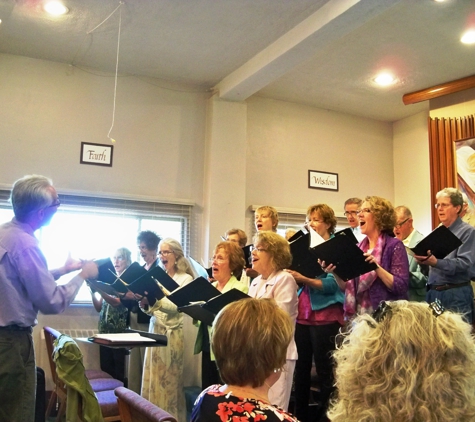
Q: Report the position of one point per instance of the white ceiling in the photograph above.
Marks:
(318, 52)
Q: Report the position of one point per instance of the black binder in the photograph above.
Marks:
(303, 259)
(247, 255)
(439, 242)
(347, 232)
(106, 270)
(206, 312)
(199, 290)
(348, 259)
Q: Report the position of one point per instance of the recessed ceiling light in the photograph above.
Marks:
(468, 37)
(55, 8)
(384, 79)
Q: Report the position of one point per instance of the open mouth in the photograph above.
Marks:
(259, 226)
(362, 223)
(165, 262)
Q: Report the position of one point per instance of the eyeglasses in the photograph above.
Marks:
(365, 210)
(399, 225)
(165, 253)
(259, 250)
(56, 203)
(348, 213)
(437, 206)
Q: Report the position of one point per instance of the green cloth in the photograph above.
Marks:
(70, 370)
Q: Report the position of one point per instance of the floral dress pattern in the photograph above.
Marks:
(162, 378)
(215, 406)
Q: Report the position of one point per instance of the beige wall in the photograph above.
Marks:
(49, 108)
(285, 140)
(411, 169)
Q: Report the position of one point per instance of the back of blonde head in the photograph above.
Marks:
(410, 366)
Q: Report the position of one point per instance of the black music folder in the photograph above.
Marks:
(207, 311)
(106, 270)
(439, 242)
(303, 258)
(247, 255)
(114, 285)
(348, 232)
(347, 257)
(199, 290)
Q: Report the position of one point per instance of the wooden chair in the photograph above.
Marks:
(101, 382)
(134, 408)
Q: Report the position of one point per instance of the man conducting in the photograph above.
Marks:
(26, 287)
(405, 232)
(449, 278)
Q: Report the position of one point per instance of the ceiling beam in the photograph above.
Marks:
(331, 22)
(439, 90)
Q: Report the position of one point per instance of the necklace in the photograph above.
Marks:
(249, 393)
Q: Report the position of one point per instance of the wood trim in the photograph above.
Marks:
(439, 90)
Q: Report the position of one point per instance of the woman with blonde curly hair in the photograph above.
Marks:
(390, 280)
(409, 362)
(270, 255)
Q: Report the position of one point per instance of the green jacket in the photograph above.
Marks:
(233, 283)
(70, 370)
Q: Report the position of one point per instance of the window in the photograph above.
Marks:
(93, 228)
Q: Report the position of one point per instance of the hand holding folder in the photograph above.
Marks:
(439, 242)
(345, 255)
(303, 259)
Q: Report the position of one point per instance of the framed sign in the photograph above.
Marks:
(322, 180)
(96, 154)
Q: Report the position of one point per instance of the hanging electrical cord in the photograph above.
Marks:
(116, 64)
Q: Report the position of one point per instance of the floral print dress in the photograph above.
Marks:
(215, 406)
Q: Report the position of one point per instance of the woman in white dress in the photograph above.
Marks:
(162, 382)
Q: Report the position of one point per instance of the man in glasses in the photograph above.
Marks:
(449, 278)
(26, 287)
(352, 205)
(405, 232)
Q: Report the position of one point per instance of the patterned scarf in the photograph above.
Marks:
(357, 299)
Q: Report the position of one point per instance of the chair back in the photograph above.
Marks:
(81, 399)
(59, 393)
(134, 408)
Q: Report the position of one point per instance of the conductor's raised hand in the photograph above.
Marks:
(89, 270)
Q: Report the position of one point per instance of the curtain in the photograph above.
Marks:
(442, 135)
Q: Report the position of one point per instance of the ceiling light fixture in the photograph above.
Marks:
(55, 8)
(468, 37)
(384, 79)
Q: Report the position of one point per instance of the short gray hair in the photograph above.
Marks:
(404, 211)
(126, 254)
(30, 193)
(453, 194)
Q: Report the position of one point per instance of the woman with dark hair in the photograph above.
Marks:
(319, 320)
(147, 242)
(390, 280)
(162, 382)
